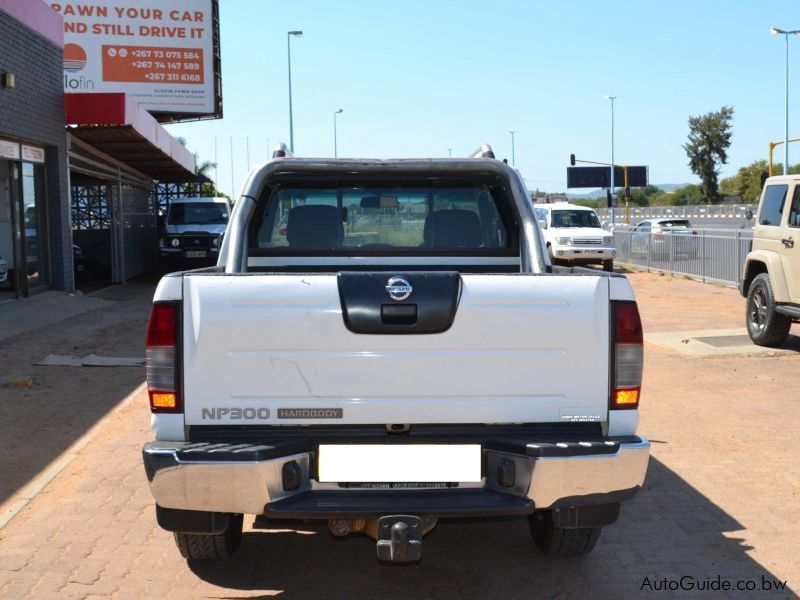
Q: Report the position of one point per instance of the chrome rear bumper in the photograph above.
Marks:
(554, 477)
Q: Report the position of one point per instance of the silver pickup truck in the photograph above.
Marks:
(384, 343)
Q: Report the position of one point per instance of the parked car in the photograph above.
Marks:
(771, 280)
(193, 231)
(438, 367)
(664, 238)
(573, 235)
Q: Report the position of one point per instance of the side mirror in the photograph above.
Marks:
(542, 223)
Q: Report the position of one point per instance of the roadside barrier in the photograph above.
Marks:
(713, 255)
(694, 211)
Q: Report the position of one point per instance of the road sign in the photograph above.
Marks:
(600, 177)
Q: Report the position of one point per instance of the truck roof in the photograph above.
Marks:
(562, 205)
(783, 178)
(199, 199)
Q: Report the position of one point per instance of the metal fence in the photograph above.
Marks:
(638, 213)
(708, 255)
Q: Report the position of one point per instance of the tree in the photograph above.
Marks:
(688, 194)
(709, 140)
(747, 181)
(203, 170)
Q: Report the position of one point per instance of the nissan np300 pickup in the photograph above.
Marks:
(384, 343)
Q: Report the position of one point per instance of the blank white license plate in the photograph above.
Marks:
(196, 254)
(382, 463)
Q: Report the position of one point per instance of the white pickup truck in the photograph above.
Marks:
(384, 343)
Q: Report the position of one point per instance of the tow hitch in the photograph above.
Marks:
(399, 539)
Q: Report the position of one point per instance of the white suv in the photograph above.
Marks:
(573, 235)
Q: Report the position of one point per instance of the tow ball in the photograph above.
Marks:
(399, 539)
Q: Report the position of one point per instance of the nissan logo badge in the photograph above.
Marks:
(398, 288)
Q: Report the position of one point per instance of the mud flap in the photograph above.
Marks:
(399, 539)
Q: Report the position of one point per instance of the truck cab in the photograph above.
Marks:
(192, 232)
(771, 279)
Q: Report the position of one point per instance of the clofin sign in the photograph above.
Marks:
(165, 58)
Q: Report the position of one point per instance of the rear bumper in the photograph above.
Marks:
(180, 253)
(251, 479)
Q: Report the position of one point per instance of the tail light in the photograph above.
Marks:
(659, 235)
(628, 355)
(161, 358)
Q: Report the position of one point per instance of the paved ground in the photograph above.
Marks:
(722, 496)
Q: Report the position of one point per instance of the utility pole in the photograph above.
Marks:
(289, 36)
(613, 164)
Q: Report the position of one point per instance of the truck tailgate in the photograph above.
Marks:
(274, 349)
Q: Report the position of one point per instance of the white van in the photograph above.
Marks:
(573, 235)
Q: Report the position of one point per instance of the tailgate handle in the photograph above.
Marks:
(398, 314)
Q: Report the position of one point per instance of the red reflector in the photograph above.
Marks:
(628, 323)
(162, 330)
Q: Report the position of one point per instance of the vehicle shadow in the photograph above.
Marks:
(55, 405)
(669, 530)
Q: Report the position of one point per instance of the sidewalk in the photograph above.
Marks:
(38, 422)
(41, 310)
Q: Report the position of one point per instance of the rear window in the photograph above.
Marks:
(772, 206)
(673, 223)
(353, 219)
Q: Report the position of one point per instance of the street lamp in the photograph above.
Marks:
(335, 149)
(289, 36)
(785, 34)
(450, 153)
(513, 161)
(612, 98)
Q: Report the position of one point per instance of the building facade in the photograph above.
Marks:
(35, 230)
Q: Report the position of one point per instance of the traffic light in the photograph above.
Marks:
(628, 192)
(609, 201)
(572, 159)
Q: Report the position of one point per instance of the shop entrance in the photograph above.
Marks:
(7, 261)
(114, 223)
(24, 250)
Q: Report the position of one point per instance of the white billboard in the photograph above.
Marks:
(159, 52)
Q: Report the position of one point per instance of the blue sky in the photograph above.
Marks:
(416, 78)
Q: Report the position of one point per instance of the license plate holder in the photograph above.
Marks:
(196, 254)
(391, 463)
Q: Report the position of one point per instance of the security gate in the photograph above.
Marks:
(113, 212)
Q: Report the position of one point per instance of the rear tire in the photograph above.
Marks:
(193, 546)
(608, 265)
(764, 326)
(557, 541)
